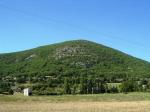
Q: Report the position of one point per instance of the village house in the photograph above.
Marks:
(27, 92)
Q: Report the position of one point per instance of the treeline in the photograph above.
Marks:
(92, 86)
(6, 88)
(49, 85)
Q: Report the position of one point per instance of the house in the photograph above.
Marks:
(27, 92)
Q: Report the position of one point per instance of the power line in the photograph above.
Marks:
(71, 25)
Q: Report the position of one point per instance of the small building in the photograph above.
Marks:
(27, 92)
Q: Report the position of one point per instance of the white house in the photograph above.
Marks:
(27, 92)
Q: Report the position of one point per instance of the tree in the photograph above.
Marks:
(128, 86)
(67, 89)
(100, 85)
(83, 86)
(113, 89)
(90, 86)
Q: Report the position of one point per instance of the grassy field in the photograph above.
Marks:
(132, 102)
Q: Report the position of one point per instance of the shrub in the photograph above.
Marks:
(10, 92)
(128, 86)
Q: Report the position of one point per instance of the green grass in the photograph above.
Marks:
(120, 97)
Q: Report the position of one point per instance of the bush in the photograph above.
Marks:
(113, 89)
(10, 92)
(4, 87)
(128, 86)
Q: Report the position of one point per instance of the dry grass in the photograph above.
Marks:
(133, 102)
(143, 106)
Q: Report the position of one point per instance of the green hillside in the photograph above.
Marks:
(69, 63)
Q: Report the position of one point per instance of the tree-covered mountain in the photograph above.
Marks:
(72, 56)
(72, 62)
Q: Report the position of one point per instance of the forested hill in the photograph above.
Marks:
(73, 59)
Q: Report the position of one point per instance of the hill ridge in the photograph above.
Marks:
(79, 54)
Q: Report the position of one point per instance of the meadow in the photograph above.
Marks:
(131, 102)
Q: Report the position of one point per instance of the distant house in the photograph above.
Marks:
(27, 92)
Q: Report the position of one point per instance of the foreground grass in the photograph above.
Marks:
(132, 102)
(142, 106)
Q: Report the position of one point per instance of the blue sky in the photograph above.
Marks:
(120, 24)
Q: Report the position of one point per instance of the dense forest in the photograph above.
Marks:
(73, 67)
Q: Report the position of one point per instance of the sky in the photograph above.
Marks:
(120, 24)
